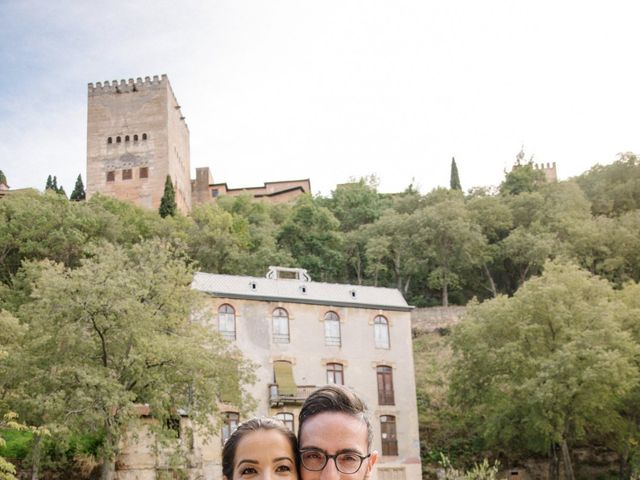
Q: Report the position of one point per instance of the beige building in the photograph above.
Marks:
(204, 189)
(137, 135)
(302, 335)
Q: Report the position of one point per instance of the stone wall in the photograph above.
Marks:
(435, 318)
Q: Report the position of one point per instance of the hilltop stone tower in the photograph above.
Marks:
(136, 136)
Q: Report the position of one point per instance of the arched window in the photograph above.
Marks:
(287, 419)
(332, 329)
(126, 138)
(109, 140)
(388, 435)
(227, 321)
(385, 385)
(135, 137)
(144, 136)
(381, 332)
(118, 140)
(229, 425)
(335, 373)
(280, 320)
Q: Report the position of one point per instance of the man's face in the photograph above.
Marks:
(333, 433)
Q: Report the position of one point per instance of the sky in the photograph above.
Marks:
(331, 90)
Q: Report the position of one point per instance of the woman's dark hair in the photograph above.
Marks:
(254, 425)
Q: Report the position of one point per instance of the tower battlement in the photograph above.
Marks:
(549, 170)
(125, 86)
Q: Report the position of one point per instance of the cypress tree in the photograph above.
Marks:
(78, 193)
(61, 191)
(49, 184)
(3, 179)
(168, 202)
(455, 178)
(54, 184)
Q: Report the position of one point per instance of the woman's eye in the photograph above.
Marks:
(248, 471)
(283, 468)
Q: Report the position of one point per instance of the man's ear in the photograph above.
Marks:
(372, 461)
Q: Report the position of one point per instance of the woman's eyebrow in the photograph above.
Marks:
(282, 458)
(248, 460)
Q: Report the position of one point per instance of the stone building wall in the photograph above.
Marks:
(136, 136)
(434, 318)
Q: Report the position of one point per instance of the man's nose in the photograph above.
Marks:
(330, 471)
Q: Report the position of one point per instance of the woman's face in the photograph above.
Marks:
(264, 455)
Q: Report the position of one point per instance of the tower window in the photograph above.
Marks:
(332, 329)
(385, 385)
(335, 373)
(227, 321)
(286, 418)
(118, 139)
(280, 322)
(135, 137)
(388, 434)
(111, 176)
(144, 136)
(381, 332)
(126, 138)
(231, 422)
(126, 174)
(109, 140)
(144, 172)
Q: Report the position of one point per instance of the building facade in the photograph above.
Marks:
(302, 335)
(137, 135)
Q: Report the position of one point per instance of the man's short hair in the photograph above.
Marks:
(335, 398)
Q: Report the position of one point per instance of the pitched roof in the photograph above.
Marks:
(299, 291)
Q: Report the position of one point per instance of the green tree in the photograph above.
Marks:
(49, 184)
(450, 240)
(389, 248)
(546, 368)
(3, 178)
(613, 189)
(10, 334)
(355, 203)
(522, 178)
(34, 226)
(216, 239)
(119, 331)
(168, 204)
(311, 234)
(54, 184)
(78, 193)
(454, 181)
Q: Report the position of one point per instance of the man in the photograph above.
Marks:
(334, 436)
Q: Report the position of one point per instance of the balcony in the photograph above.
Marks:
(277, 400)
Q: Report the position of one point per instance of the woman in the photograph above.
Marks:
(258, 449)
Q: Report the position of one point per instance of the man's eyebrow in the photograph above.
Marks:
(344, 450)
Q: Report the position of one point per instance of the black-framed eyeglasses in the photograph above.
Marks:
(346, 462)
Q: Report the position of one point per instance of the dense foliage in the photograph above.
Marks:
(94, 296)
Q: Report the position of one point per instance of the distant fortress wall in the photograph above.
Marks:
(434, 318)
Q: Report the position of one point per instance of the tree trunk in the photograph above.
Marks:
(35, 457)
(566, 460)
(492, 284)
(445, 290)
(108, 469)
(109, 453)
(554, 463)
